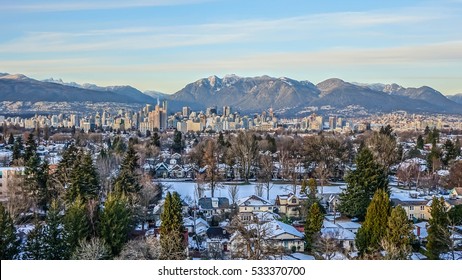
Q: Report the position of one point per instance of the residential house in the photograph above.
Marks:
(351, 226)
(211, 206)
(251, 204)
(274, 234)
(7, 175)
(289, 205)
(217, 240)
(161, 170)
(415, 208)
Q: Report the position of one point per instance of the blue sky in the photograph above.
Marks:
(165, 44)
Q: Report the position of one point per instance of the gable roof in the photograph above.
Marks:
(253, 200)
(207, 202)
(279, 228)
(217, 233)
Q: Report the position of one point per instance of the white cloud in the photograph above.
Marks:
(61, 6)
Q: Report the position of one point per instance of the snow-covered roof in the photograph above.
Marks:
(338, 233)
(349, 225)
(253, 200)
(279, 228)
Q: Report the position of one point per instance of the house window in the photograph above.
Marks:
(422, 216)
(294, 200)
(411, 207)
(411, 216)
(422, 207)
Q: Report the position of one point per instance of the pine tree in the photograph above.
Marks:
(171, 230)
(35, 247)
(438, 232)
(11, 139)
(313, 225)
(76, 224)
(54, 235)
(155, 139)
(127, 182)
(420, 142)
(84, 179)
(17, 148)
(177, 146)
(115, 222)
(398, 236)
(369, 236)
(65, 166)
(221, 140)
(9, 241)
(44, 194)
(362, 184)
(31, 148)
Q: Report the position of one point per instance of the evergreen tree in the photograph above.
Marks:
(398, 236)
(84, 179)
(127, 182)
(9, 241)
(362, 184)
(455, 215)
(313, 225)
(31, 148)
(457, 148)
(44, 194)
(155, 139)
(33, 179)
(16, 151)
(115, 222)
(76, 224)
(11, 139)
(420, 142)
(54, 238)
(65, 166)
(171, 230)
(433, 158)
(369, 236)
(438, 239)
(35, 247)
(221, 140)
(450, 152)
(177, 146)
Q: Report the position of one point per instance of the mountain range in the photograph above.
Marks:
(244, 94)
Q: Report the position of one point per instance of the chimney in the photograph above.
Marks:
(418, 231)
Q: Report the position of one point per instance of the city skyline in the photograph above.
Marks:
(163, 45)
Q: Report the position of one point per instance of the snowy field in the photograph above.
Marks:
(187, 190)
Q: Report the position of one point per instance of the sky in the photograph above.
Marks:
(165, 44)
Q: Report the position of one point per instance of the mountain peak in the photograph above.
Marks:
(330, 84)
(18, 77)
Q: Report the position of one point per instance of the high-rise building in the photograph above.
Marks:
(186, 111)
(226, 111)
(158, 117)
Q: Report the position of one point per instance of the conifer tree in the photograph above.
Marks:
(84, 179)
(31, 148)
(221, 140)
(438, 231)
(115, 222)
(398, 236)
(369, 236)
(9, 241)
(35, 247)
(362, 184)
(65, 166)
(313, 224)
(155, 139)
(127, 182)
(177, 146)
(54, 236)
(171, 230)
(17, 148)
(76, 224)
(420, 142)
(11, 139)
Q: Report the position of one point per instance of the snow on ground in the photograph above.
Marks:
(187, 189)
